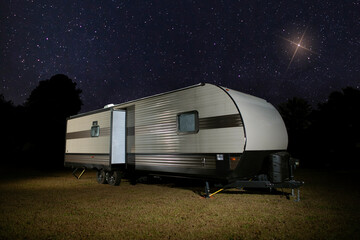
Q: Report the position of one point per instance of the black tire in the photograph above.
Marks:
(114, 178)
(150, 179)
(133, 179)
(100, 177)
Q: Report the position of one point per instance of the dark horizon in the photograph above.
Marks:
(87, 108)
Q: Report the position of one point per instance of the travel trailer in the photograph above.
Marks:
(202, 131)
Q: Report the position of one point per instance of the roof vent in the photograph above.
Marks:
(109, 105)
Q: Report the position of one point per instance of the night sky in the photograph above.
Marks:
(118, 51)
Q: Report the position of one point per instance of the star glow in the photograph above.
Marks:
(298, 45)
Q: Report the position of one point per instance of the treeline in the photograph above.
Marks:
(33, 134)
(328, 136)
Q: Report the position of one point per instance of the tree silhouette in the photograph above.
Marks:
(48, 106)
(57, 97)
(5, 104)
(329, 136)
(296, 114)
(337, 129)
(7, 110)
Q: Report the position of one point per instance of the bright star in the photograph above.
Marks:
(298, 45)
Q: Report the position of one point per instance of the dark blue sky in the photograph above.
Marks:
(122, 50)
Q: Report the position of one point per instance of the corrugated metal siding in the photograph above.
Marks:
(78, 126)
(87, 159)
(152, 138)
(180, 161)
(104, 131)
(156, 126)
(130, 125)
(85, 122)
(88, 145)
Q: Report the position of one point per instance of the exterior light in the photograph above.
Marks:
(220, 157)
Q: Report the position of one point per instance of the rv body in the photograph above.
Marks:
(202, 131)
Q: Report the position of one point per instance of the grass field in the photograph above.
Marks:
(39, 205)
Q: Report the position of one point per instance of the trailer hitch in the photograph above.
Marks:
(79, 176)
(239, 184)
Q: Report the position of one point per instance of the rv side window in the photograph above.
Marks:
(188, 122)
(95, 129)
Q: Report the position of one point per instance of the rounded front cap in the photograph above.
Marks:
(264, 127)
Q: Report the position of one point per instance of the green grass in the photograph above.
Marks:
(38, 205)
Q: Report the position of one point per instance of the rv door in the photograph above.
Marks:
(118, 137)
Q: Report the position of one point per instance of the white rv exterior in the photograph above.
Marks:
(201, 131)
(96, 139)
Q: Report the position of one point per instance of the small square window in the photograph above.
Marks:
(95, 129)
(188, 122)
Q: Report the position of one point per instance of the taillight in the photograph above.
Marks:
(234, 162)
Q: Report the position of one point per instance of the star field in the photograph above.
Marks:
(122, 50)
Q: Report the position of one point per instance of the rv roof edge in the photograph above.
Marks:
(91, 112)
(164, 93)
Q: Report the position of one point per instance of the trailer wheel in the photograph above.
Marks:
(100, 177)
(114, 178)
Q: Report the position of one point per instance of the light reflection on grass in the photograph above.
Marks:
(57, 206)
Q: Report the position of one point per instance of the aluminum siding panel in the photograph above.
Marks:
(94, 145)
(85, 159)
(156, 123)
(130, 128)
(180, 161)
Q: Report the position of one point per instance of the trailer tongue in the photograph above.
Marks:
(280, 174)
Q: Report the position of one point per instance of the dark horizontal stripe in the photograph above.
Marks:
(79, 134)
(104, 131)
(224, 121)
(87, 133)
(103, 159)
